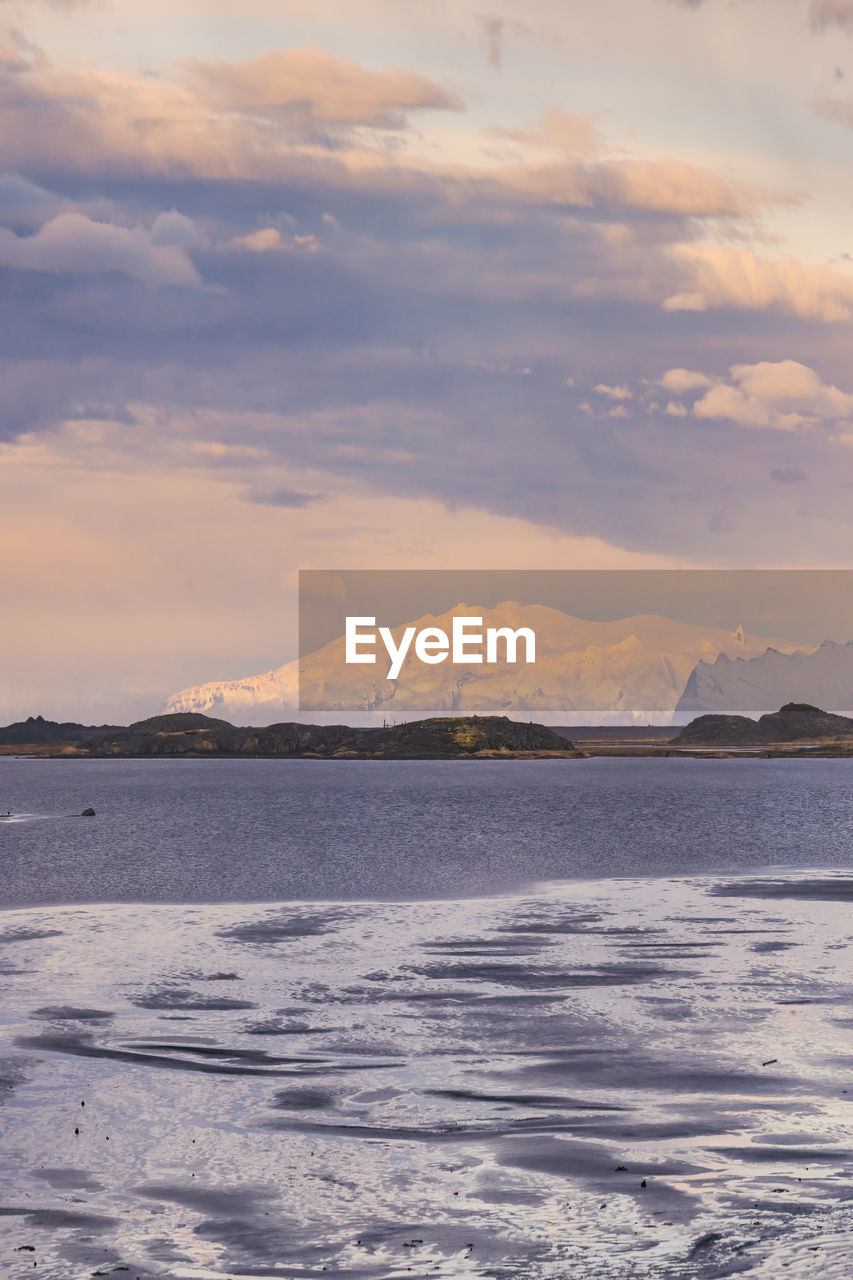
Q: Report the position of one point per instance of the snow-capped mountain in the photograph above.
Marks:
(262, 699)
(623, 671)
(754, 686)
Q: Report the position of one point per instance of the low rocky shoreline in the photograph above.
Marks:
(797, 730)
(190, 734)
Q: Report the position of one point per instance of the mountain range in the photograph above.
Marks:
(622, 671)
(753, 686)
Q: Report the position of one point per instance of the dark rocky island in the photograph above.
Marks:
(797, 728)
(190, 734)
(795, 722)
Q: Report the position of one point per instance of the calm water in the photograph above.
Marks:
(232, 831)
(508, 1021)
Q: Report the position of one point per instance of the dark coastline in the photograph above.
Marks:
(796, 731)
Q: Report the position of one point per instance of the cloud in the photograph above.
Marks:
(783, 395)
(789, 382)
(176, 231)
(675, 410)
(279, 496)
(312, 89)
(266, 240)
(681, 380)
(726, 277)
(684, 188)
(614, 393)
(23, 202)
(688, 275)
(217, 119)
(723, 401)
(581, 171)
(270, 240)
(393, 354)
(303, 116)
(827, 13)
(72, 243)
(457, 443)
(685, 302)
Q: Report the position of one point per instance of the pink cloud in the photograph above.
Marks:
(783, 395)
(315, 87)
(72, 243)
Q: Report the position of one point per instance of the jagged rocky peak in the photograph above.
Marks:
(822, 677)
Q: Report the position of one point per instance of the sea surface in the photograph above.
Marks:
(536, 1019)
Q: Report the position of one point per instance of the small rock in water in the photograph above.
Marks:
(88, 813)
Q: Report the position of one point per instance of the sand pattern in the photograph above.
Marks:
(629, 1078)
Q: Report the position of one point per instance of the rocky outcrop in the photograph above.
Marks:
(177, 723)
(717, 731)
(795, 722)
(36, 730)
(443, 738)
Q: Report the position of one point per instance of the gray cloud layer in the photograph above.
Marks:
(239, 249)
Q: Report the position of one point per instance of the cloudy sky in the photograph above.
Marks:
(405, 283)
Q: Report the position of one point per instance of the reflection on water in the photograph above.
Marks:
(634, 1077)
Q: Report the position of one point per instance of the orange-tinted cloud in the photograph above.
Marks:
(216, 119)
(313, 88)
(783, 395)
(301, 113)
(740, 278)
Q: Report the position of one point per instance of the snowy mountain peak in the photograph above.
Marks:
(586, 671)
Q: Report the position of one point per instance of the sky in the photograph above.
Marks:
(404, 285)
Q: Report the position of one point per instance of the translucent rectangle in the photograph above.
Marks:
(608, 646)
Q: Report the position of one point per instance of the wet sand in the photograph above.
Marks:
(624, 1078)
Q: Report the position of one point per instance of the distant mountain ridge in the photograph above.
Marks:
(623, 671)
(754, 686)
